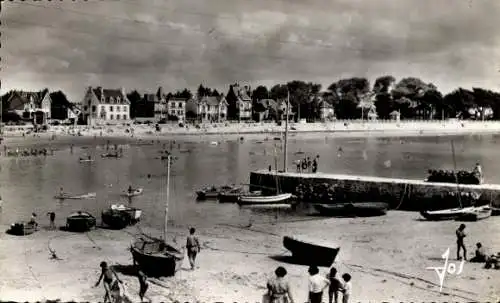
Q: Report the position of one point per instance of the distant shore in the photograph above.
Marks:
(260, 130)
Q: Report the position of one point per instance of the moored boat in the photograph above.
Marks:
(311, 252)
(234, 195)
(133, 193)
(361, 209)
(111, 155)
(212, 192)
(495, 211)
(120, 216)
(64, 196)
(80, 221)
(22, 228)
(272, 199)
(444, 214)
(83, 160)
(476, 213)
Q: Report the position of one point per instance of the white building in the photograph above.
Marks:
(106, 106)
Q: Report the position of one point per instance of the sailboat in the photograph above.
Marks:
(154, 256)
(451, 213)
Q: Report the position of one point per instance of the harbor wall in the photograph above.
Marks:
(403, 194)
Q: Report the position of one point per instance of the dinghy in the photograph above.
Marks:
(313, 252)
(80, 221)
(476, 213)
(444, 214)
(235, 194)
(111, 155)
(120, 216)
(269, 206)
(135, 192)
(361, 209)
(86, 160)
(212, 192)
(22, 228)
(64, 196)
(273, 199)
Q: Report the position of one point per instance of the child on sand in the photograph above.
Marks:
(335, 286)
(347, 288)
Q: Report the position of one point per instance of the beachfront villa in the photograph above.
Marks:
(208, 109)
(239, 102)
(32, 106)
(176, 107)
(326, 111)
(105, 106)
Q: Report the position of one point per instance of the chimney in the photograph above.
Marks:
(159, 93)
(122, 89)
(101, 92)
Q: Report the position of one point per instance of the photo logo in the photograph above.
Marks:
(450, 268)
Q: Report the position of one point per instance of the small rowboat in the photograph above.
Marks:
(135, 192)
(361, 209)
(85, 160)
(445, 214)
(22, 228)
(212, 192)
(156, 258)
(120, 216)
(313, 252)
(111, 155)
(476, 214)
(268, 206)
(80, 221)
(235, 194)
(274, 199)
(75, 197)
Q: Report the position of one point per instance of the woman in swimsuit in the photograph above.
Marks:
(110, 284)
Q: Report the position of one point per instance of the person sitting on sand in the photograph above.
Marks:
(33, 220)
(110, 283)
(480, 256)
(493, 261)
(278, 288)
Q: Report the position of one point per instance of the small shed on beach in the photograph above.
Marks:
(395, 115)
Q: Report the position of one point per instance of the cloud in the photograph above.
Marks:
(71, 45)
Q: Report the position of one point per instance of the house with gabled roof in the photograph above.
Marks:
(176, 107)
(208, 108)
(240, 102)
(31, 106)
(105, 106)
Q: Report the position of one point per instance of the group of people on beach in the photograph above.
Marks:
(307, 165)
(480, 256)
(279, 290)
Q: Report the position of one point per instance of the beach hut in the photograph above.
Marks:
(395, 115)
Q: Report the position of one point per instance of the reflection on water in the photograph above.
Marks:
(29, 184)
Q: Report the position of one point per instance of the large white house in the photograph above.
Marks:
(104, 106)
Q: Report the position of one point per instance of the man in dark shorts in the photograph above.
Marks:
(193, 247)
(460, 242)
(52, 217)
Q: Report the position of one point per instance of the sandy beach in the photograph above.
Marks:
(387, 257)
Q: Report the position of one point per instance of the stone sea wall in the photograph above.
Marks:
(403, 194)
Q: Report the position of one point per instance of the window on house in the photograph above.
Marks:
(103, 114)
(94, 108)
(180, 104)
(125, 117)
(111, 108)
(209, 108)
(111, 117)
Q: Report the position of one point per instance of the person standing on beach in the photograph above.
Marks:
(278, 287)
(317, 284)
(193, 247)
(110, 283)
(460, 242)
(143, 282)
(335, 286)
(347, 288)
(52, 216)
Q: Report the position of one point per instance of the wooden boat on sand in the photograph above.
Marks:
(133, 193)
(361, 209)
(273, 199)
(65, 196)
(22, 228)
(476, 213)
(312, 252)
(120, 216)
(80, 221)
(444, 214)
(155, 257)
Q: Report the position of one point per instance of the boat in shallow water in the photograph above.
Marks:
(22, 228)
(361, 209)
(233, 196)
(476, 213)
(312, 252)
(65, 196)
(445, 214)
(133, 193)
(272, 199)
(212, 192)
(80, 221)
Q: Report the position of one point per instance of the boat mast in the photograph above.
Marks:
(286, 131)
(167, 200)
(455, 173)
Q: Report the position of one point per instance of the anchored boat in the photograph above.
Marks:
(80, 221)
(120, 216)
(133, 193)
(476, 213)
(361, 209)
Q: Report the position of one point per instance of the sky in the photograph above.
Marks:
(175, 44)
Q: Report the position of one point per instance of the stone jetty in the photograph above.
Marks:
(403, 194)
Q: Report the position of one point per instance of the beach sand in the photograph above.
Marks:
(386, 256)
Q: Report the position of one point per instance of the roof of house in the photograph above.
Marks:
(268, 103)
(211, 100)
(241, 92)
(174, 99)
(110, 93)
(26, 97)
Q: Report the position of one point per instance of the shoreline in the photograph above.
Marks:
(235, 262)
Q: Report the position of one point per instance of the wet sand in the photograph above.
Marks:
(386, 256)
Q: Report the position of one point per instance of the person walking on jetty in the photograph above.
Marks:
(193, 247)
(110, 283)
(278, 288)
(460, 242)
(317, 284)
(478, 172)
(347, 288)
(335, 286)
(315, 164)
(52, 217)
